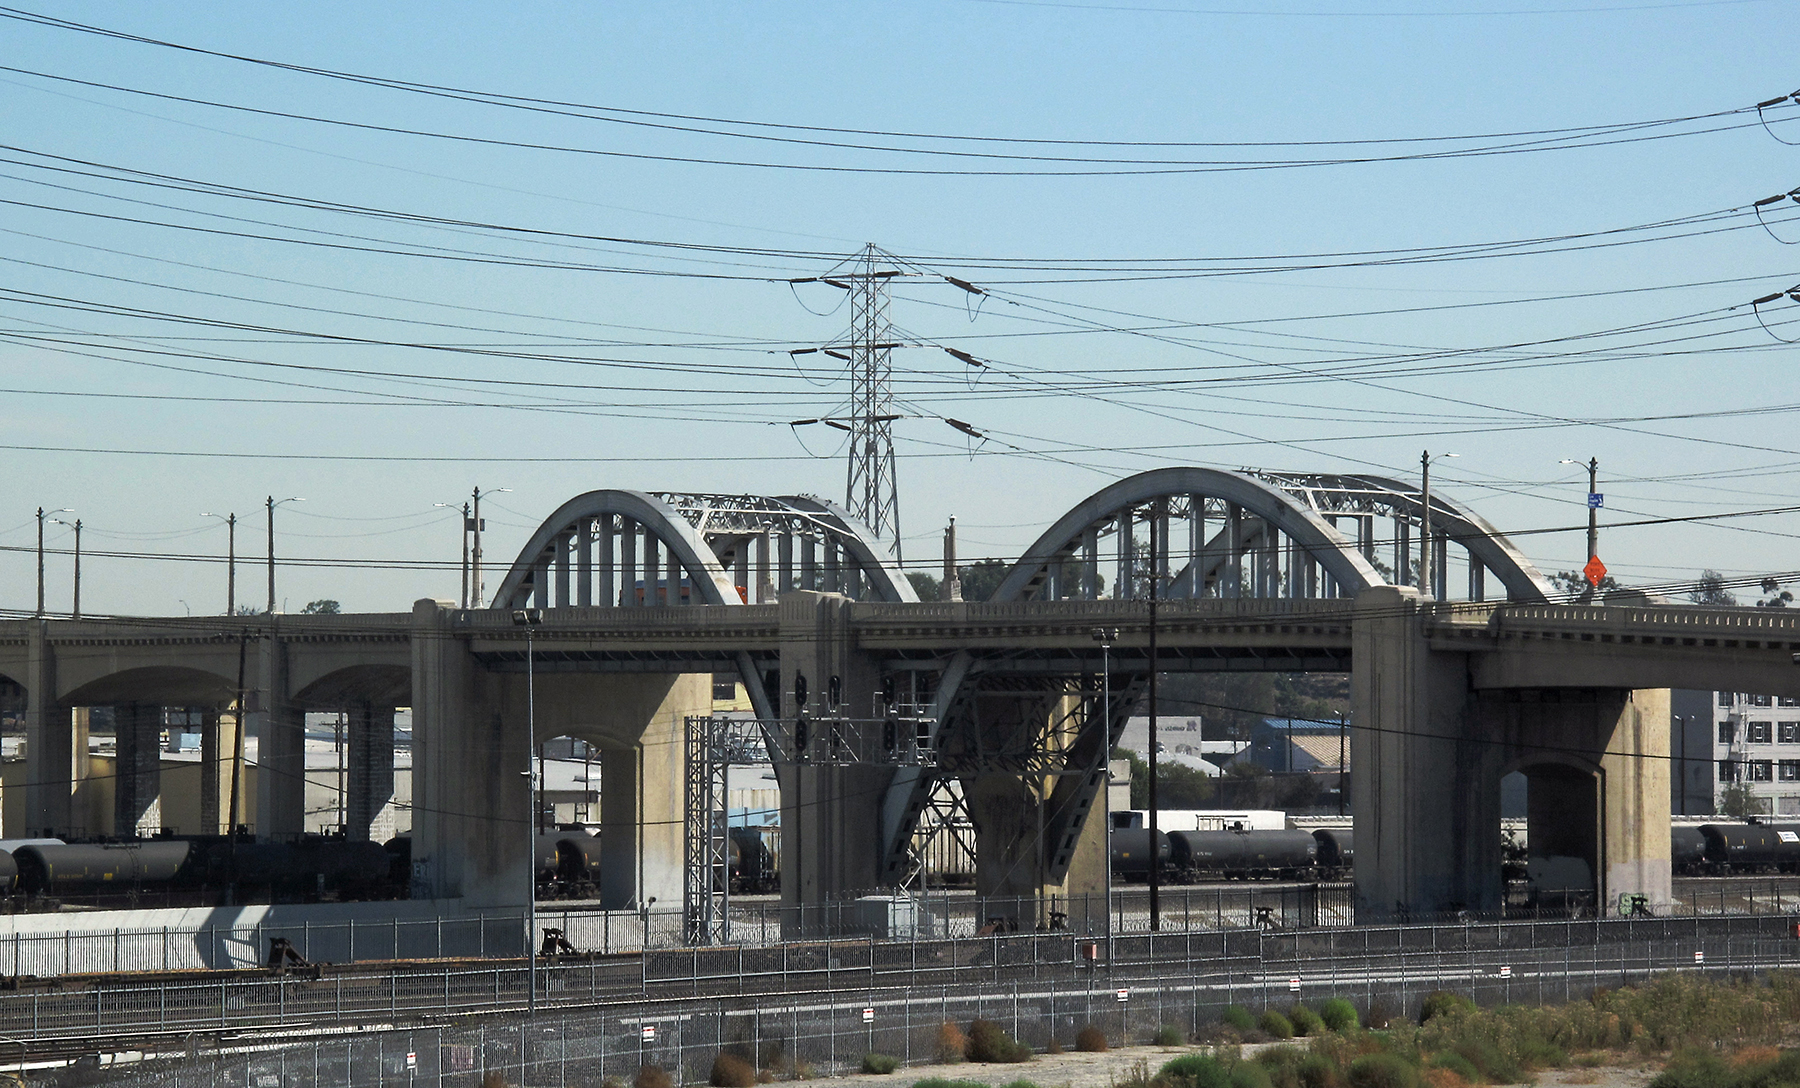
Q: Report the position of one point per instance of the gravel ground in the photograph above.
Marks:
(1073, 1070)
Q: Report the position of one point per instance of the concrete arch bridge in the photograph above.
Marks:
(645, 597)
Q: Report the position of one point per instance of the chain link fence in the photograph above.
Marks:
(765, 922)
(1037, 988)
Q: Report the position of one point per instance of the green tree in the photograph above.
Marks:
(1776, 596)
(1177, 786)
(981, 578)
(927, 587)
(1574, 584)
(1710, 589)
(322, 607)
(1738, 800)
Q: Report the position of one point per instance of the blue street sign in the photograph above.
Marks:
(1596, 500)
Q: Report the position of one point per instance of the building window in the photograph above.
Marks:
(1786, 700)
(1760, 700)
(1759, 733)
(1761, 770)
(1727, 732)
(1725, 698)
(1789, 733)
(1790, 770)
(1728, 771)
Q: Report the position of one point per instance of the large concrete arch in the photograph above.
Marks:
(1278, 509)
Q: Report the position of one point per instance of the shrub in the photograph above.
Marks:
(1490, 1061)
(732, 1071)
(612, 1082)
(1238, 1017)
(1281, 1064)
(880, 1063)
(1020, 1083)
(1054, 1046)
(1275, 1025)
(1457, 1064)
(989, 1042)
(1249, 1075)
(652, 1076)
(1305, 1021)
(1090, 1040)
(1378, 1015)
(1440, 1002)
(1317, 1071)
(1196, 1071)
(493, 1078)
(1383, 1070)
(1338, 1015)
(945, 1082)
(952, 1044)
(1170, 1035)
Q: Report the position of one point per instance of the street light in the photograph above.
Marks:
(230, 521)
(41, 515)
(465, 546)
(75, 613)
(1106, 636)
(272, 503)
(474, 525)
(529, 618)
(1426, 570)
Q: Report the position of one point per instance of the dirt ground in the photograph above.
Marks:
(1073, 1070)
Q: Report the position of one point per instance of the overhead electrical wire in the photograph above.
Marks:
(765, 132)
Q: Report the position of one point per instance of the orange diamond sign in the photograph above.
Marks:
(1595, 570)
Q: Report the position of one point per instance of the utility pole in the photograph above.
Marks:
(473, 525)
(41, 515)
(272, 503)
(230, 521)
(465, 555)
(1427, 569)
(1593, 541)
(1156, 528)
(76, 613)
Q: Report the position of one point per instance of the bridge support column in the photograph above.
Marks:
(280, 749)
(56, 750)
(1430, 751)
(218, 748)
(369, 775)
(1040, 840)
(137, 782)
(831, 842)
(469, 795)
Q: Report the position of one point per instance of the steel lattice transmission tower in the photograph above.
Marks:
(871, 486)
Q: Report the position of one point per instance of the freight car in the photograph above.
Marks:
(1337, 852)
(1132, 853)
(1242, 855)
(205, 870)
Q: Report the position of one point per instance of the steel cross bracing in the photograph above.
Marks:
(716, 742)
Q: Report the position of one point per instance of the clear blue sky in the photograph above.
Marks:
(1291, 367)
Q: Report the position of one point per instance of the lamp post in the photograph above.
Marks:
(230, 521)
(1426, 567)
(41, 515)
(75, 613)
(1106, 636)
(273, 502)
(529, 618)
(474, 525)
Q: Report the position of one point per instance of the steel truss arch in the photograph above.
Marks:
(696, 549)
(1360, 496)
(1253, 518)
